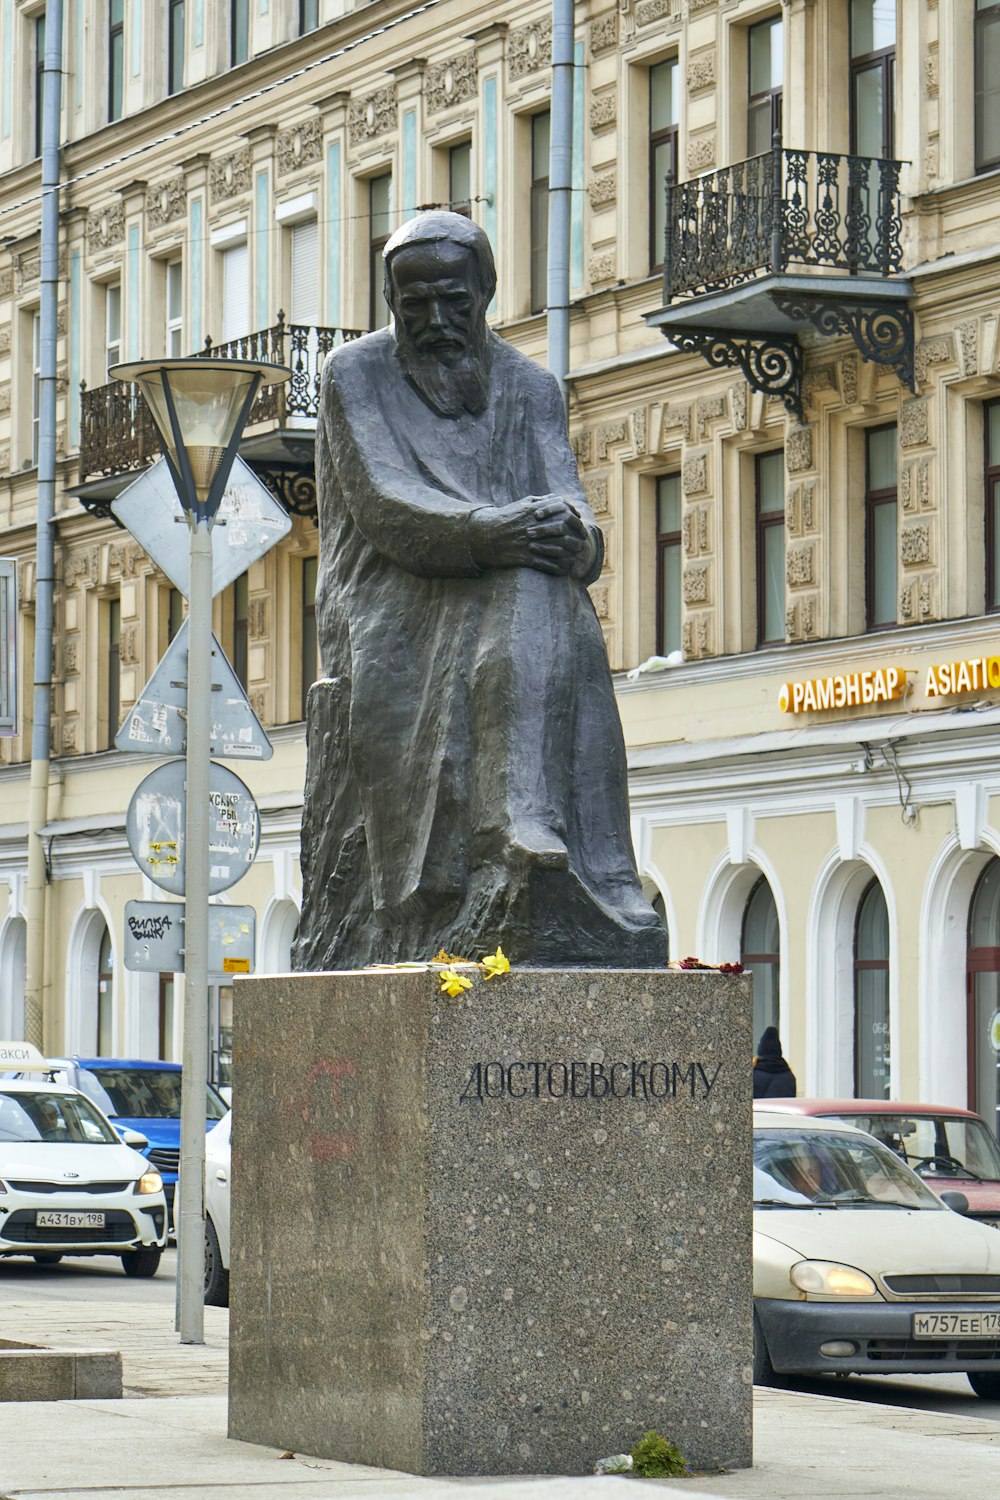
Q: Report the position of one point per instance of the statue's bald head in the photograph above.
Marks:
(446, 232)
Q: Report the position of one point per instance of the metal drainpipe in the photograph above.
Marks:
(38, 803)
(560, 190)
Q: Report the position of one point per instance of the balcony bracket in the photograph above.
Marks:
(882, 332)
(292, 486)
(772, 365)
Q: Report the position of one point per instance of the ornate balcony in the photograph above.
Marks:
(760, 251)
(118, 435)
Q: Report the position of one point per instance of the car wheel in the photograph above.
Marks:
(763, 1370)
(216, 1275)
(987, 1386)
(47, 1258)
(141, 1262)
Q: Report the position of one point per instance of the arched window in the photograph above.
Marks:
(871, 996)
(105, 998)
(761, 954)
(983, 989)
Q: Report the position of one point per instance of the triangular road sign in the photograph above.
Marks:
(157, 725)
(249, 522)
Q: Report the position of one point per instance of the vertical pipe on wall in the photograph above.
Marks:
(560, 190)
(38, 796)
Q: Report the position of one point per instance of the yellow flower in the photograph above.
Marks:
(496, 963)
(441, 957)
(453, 984)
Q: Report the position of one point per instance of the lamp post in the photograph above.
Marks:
(200, 407)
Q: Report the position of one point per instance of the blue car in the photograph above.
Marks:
(143, 1096)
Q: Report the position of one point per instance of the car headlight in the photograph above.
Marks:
(833, 1280)
(149, 1182)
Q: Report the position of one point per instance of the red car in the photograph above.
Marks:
(953, 1150)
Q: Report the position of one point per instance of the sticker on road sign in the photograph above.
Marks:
(154, 827)
(248, 523)
(154, 938)
(157, 724)
(995, 1031)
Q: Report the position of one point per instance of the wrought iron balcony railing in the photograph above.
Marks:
(779, 211)
(117, 433)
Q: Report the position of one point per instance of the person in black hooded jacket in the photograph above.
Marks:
(772, 1077)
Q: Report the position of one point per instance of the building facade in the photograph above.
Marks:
(784, 398)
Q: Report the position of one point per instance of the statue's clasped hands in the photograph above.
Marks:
(540, 532)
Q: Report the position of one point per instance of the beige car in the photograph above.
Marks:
(859, 1268)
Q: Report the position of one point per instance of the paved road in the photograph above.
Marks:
(945, 1393)
(88, 1278)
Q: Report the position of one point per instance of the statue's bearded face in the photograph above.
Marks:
(440, 313)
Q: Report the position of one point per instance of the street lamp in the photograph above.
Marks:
(200, 407)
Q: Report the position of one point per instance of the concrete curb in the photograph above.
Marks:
(30, 1373)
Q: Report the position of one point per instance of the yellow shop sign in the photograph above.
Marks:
(846, 690)
(973, 676)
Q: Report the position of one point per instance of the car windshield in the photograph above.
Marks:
(143, 1093)
(935, 1145)
(804, 1168)
(53, 1119)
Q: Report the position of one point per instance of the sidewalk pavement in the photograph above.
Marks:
(166, 1440)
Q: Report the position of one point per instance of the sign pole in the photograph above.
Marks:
(191, 1183)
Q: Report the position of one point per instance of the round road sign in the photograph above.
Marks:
(155, 827)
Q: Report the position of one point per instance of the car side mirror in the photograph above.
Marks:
(958, 1202)
(139, 1142)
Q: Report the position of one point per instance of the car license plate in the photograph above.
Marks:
(63, 1219)
(956, 1325)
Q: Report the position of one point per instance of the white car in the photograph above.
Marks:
(69, 1185)
(858, 1268)
(217, 1152)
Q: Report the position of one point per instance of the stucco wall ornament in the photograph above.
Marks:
(451, 82)
(105, 227)
(298, 145)
(228, 176)
(372, 116)
(529, 48)
(165, 202)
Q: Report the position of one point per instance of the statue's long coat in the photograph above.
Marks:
(463, 704)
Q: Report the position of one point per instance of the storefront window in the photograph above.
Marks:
(984, 996)
(871, 997)
(761, 955)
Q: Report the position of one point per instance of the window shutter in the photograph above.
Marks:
(304, 301)
(235, 293)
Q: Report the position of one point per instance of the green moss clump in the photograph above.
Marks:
(655, 1457)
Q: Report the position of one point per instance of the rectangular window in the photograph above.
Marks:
(664, 114)
(168, 992)
(36, 384)
(175, 47)
(766, 66)
(175, 613)
(991, 425)
(379, 230)
(987, 84)
(881, 525)
(540, 211)
(114, 667)
(873, 77)
(39, 81)
(239, 31)
(460, 179)
(175, 309)
(235, 292)
(241, 610)
(769, 475)
(310, 640)
(308, 16)
(668, 564)
(112, 324)
(116, 57)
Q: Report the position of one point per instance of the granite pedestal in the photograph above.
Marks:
(500, 1235)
